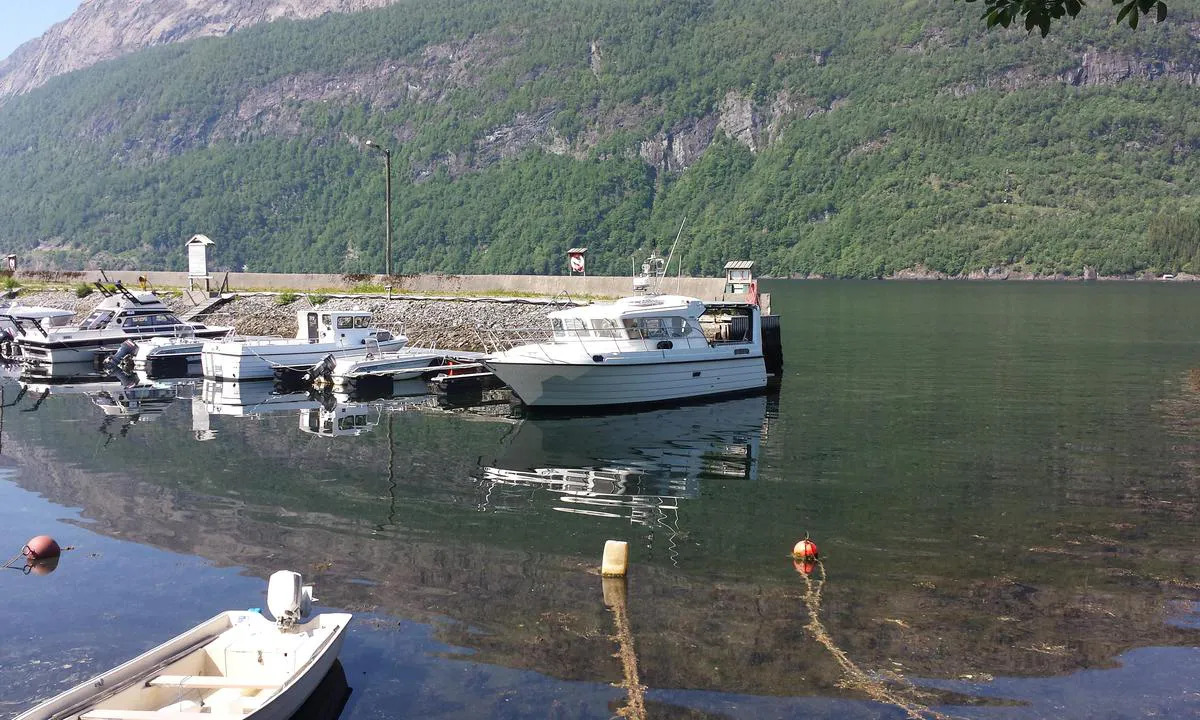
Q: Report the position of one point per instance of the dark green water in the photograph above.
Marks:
(1003, 479)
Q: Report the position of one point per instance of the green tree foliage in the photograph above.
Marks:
(520, 128)
(1041, 13)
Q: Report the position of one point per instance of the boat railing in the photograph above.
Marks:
(592, 339)
(494, 340)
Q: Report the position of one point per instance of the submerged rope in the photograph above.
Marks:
(635, 707)
(856, 677)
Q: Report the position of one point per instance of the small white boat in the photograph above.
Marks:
(402, 364)
(319, 333)
(239, 664)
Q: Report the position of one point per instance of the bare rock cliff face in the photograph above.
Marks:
(105, 29)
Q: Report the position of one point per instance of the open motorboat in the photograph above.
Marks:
(122, 315)
(403, 364)
(639, 350)
(239, 664)
(319, 333)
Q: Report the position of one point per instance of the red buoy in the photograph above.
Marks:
(805, 550)
(41, 547)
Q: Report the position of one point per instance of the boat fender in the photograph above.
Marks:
(597, 358)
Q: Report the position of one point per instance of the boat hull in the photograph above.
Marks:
(259, 361)
(50, 351)
(142, 686)
(613, 384)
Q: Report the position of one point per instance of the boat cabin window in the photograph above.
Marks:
(568, 328)
(350, 422)
(362, 321)
(147, 322)
(657, 327)
(326, 322)
(345, 323)
(607, 328)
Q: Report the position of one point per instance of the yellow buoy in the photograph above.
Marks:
(616, 558)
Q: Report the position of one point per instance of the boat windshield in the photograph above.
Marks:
(97, 320)
(658, 327)
(627, 329)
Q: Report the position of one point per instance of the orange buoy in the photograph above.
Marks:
(805, 550)
(41, 547)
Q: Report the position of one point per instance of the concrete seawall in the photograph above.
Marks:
(431, 284)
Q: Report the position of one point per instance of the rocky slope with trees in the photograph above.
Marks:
(863, 140)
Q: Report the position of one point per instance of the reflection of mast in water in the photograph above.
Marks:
(633, 467)
(391, 443)
(599, 492)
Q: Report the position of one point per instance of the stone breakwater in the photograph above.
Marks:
(447, 323)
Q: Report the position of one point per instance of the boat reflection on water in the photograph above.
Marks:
(633, 467)
(326, 415)
(251, 398)
(329, 698)
(125, 400)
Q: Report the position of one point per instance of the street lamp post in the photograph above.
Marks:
(387, 162)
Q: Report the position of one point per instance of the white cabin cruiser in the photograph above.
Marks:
(319, 333)
(640, 350)
(239, 664)
(122, 315)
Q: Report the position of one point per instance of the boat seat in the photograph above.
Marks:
(117, 714)
(211, 681)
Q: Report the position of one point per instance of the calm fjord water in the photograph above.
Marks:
(1004, 480)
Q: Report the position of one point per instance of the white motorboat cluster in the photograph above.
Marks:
(644, 349)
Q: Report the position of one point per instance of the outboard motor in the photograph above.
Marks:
(8, 345)
(289, 600)
(321, 370)
(117, 359)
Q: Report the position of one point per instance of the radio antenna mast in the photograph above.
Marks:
(667, 267)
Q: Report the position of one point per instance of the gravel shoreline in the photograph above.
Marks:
(446, 323)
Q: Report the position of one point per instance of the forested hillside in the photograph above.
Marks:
(851, 139)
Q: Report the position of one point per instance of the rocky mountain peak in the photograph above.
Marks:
(102, 30)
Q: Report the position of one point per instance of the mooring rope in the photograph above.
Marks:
(856, 677)
(635, 708)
